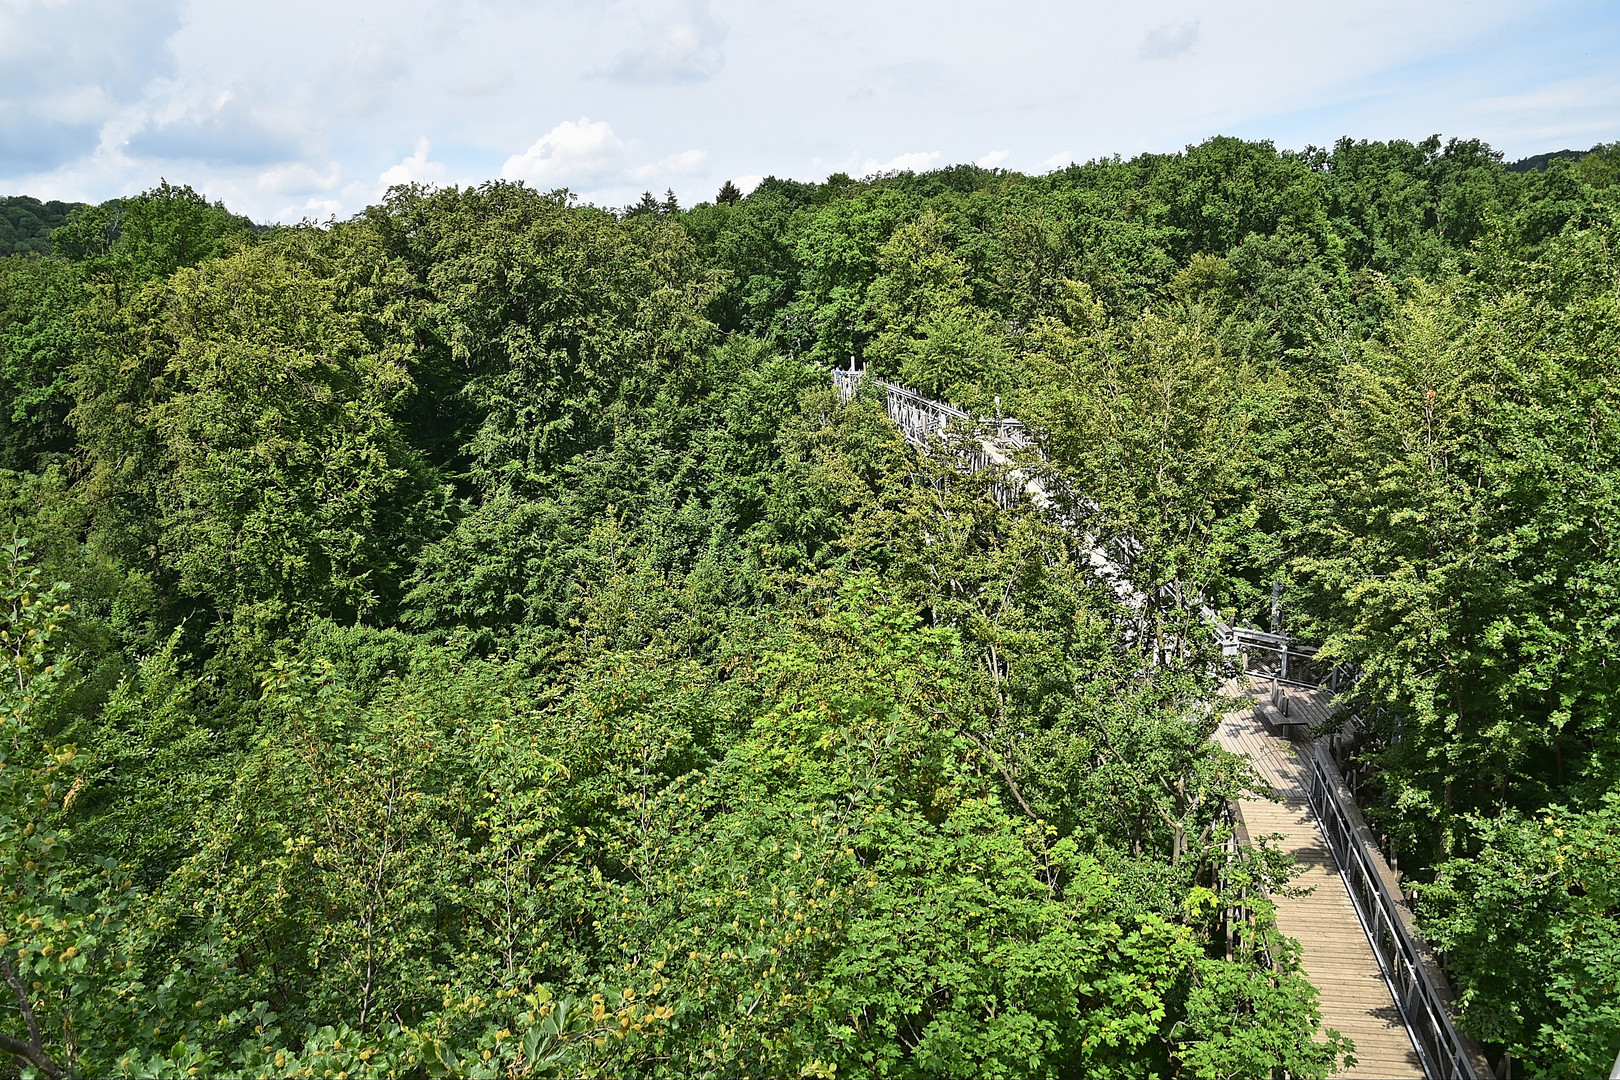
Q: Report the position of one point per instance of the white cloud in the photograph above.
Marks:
(687, 47)
(316, 209)
(363, 81)
(992, 159)
(913, 162)
(225, 131)
(1057, 161)
(1169, 41)
(77, 105)
(747, 184)
(297, 178)
(1578, 112)
(686, 163)
(416, 169)
(571, 153)
(102, 97)
(65, 69)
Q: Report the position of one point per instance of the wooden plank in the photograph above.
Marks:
(1334, 950)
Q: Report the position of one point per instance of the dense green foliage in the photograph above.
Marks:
(474, 637)
(26, 223)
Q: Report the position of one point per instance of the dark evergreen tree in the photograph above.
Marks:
(648, 204)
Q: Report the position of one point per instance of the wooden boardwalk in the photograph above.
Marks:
(1335, 952)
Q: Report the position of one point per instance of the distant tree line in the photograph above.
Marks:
(26, 223)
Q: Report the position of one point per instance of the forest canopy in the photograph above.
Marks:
(26, 223)
(474, 637)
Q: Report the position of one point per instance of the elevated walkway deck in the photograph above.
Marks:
(1379, 983)
(1336, 953)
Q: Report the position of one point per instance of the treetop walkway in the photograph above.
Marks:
(1359, 945)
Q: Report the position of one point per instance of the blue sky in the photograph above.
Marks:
(303, 108)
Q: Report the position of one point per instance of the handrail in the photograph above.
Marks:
(1422, 1007)
(920, 416)
(927, 404)
(1265, 639)
(1241, 912)
(845, 383)
(1305, 671)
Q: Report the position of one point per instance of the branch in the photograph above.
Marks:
(34, 1049)
(1172, 822)
(22, 1001)
(1002, 769)
(32, 1054)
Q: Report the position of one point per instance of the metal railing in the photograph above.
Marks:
(918, 417)
(1274, 656)
(1422, 1006)
(921, 418)
(988, 443)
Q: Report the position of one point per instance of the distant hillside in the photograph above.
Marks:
(1540, 162)
(26, 223)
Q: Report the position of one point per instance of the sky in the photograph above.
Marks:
(313, 108)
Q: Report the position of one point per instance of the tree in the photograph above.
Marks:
(1154, 423)
(497, 650)
(828, 836)
(69, 939)
(1471, 449)
(125, 243)
(1600, 166)
(1530, 925)
(649, 204)
(241, 421)
(928, 333)
(26, 223)
(39, 340)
